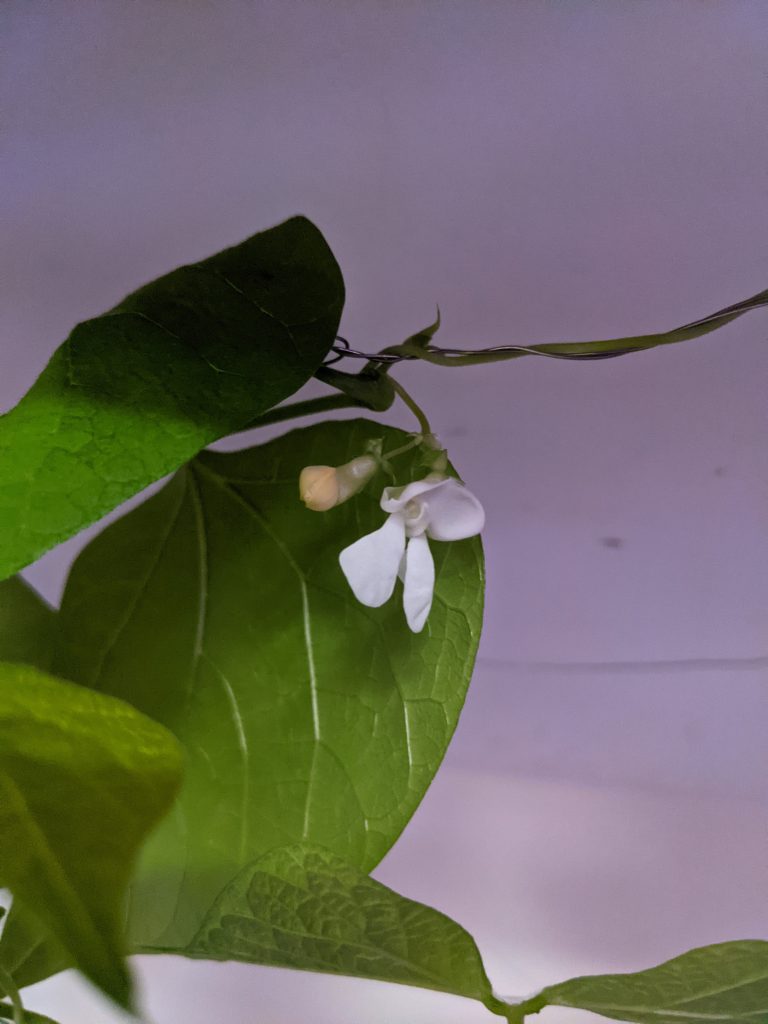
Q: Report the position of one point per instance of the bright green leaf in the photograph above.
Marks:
(219, 608)
(133, 394)
(83, 778)
(27, 624)
(302, 907)
(726, 983)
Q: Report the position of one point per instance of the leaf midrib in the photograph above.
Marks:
(236, 495)
(708, 994)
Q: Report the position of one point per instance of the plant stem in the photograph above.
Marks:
(327, 403)
(516, 1012)
(404, 448)
(569, 350)
(424, 427)
(9, 987)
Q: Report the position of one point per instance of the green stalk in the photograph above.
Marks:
(424, 427)
(9, 987)
(327, 403)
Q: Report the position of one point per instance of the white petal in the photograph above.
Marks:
(401, 567)
(454, 512)
(419, 582)
(394, 499)
(371, 563)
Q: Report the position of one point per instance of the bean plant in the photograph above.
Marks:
(255, 673)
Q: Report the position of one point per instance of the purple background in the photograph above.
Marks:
(543, 171)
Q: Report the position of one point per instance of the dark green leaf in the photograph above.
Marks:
(219, 608)
(83, 778)
(134, 393)
(27, 624)
(304, 908)
(726, 983)
(633, 343)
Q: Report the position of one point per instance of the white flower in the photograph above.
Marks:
(437, 507)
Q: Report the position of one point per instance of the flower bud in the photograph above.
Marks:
(319, 487)
(323, 487)
(435, 456)
(354, 475)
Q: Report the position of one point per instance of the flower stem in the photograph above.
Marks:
(424, 427)
(417, 439)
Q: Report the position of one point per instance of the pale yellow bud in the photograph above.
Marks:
(319, 487)
(323, 487)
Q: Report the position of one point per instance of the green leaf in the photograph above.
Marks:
(634, 343)
(424, 337)
(133, 394)
(6, 1014)
(15, 1012)
(29, 950)
(726, 983)
(83, 778)
(304, 908)
(27, 624)
(219, 608)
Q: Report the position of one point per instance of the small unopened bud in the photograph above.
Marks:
(354, 475)
(323, 487)
(434, 455)
(319, 487)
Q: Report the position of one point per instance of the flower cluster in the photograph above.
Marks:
(438, 508)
